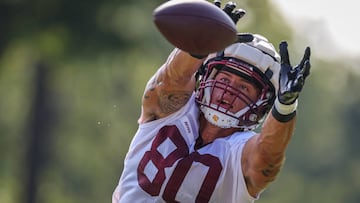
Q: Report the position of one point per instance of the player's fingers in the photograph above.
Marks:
(229, 7)
(306, 69)
(237, 14)
(284, 54)
(217, 3)
(306, 56)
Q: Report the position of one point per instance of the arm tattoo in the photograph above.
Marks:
(146, 95)
(271, 171)
(173, 101)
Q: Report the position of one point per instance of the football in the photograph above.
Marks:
(195, 26)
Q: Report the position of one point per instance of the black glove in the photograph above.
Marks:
(291, 80)
(229, 9)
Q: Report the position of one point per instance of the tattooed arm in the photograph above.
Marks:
(171, 86)
(264, 154)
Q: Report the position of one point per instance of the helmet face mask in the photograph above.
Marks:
(211, 92)
(223, 115)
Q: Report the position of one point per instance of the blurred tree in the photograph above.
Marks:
(86, 46)
(38, 143)
(98, 56)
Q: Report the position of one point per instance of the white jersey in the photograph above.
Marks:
(163, 165)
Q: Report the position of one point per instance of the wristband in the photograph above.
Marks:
(285, 109)
(283, 112)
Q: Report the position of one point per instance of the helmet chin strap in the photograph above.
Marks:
(222, 120)
(218, 119)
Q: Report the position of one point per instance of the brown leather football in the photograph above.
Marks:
(195, 26)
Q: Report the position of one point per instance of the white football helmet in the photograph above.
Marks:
(258, 62)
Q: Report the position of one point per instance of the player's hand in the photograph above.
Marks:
(292, 79)
(235, 15)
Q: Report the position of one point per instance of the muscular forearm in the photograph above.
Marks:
(264, 154)
(274, 138)
(181, 66)
(171, 86)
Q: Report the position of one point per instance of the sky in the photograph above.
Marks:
(332, 26)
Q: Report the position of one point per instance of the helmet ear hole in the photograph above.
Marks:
(253, 117)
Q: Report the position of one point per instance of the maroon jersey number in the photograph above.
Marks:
(180, 153)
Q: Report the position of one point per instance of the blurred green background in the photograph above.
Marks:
(72, 74)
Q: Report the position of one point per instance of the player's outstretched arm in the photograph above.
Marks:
(264, 153)
(170, 87)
